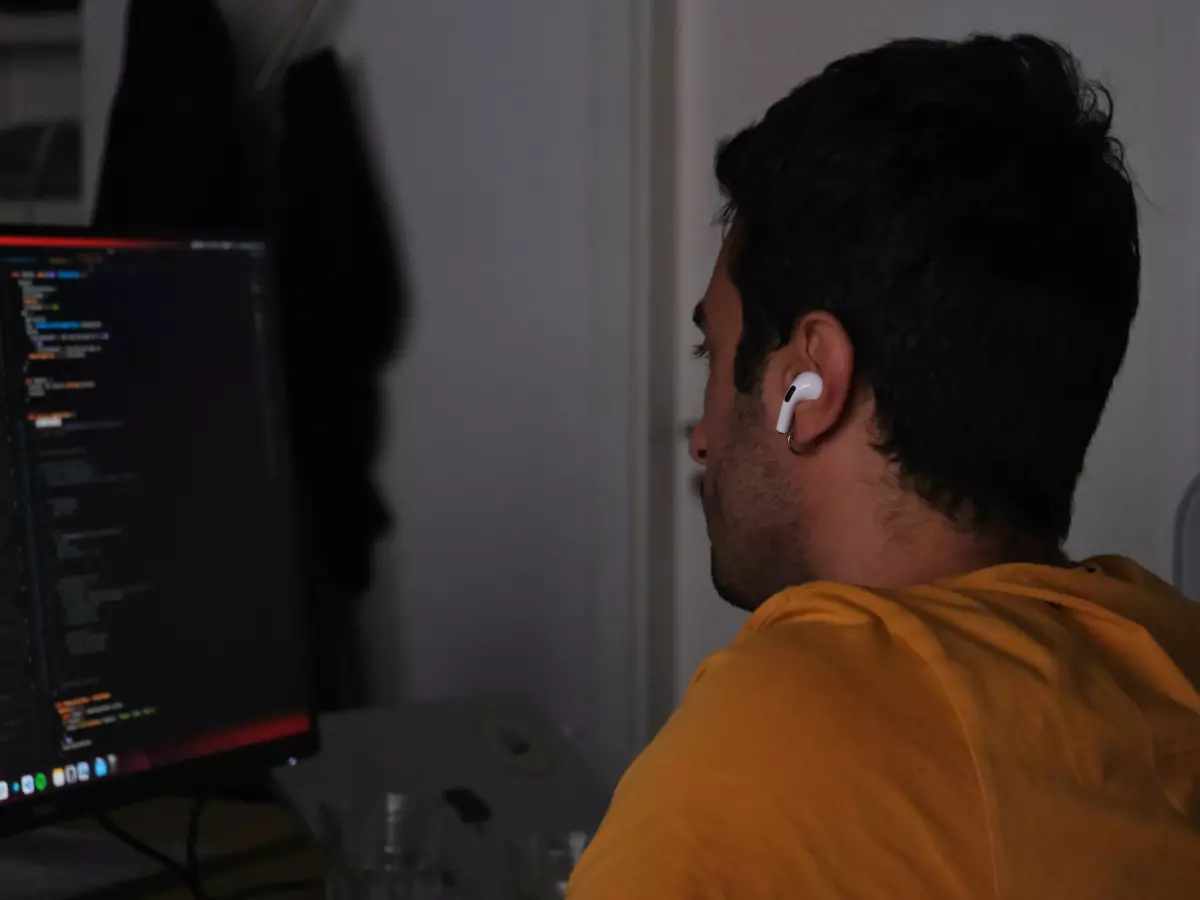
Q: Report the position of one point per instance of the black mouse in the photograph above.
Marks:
(470, 807)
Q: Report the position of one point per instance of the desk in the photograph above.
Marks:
(241, 845)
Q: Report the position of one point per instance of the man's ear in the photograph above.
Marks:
(818, 344)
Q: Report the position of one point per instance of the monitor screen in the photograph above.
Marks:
(150, 603)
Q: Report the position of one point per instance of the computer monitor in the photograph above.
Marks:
(151, 612)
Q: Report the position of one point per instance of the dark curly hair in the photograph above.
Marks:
(965, 213)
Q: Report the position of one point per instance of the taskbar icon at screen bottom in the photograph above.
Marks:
(70, 774)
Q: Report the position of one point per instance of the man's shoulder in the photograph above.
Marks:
(841, 681)
(818, 643)
(797, 748)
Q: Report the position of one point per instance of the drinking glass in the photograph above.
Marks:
(388, 848)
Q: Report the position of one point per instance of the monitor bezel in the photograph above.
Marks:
(18, 814)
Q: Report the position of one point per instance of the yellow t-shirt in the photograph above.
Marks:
(1022, 732)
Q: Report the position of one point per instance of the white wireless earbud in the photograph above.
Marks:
(807, 386)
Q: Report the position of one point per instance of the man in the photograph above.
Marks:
(929, 700)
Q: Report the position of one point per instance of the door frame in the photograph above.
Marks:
(631, 263)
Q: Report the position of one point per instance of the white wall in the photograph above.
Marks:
(734, 60)
(502, 133)
(497, 463)
(482, 147)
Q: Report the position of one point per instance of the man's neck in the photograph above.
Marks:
(875, 531)
(900, 551)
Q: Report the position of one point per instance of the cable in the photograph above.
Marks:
(193, 837)
(189, 872)
(189, 879)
